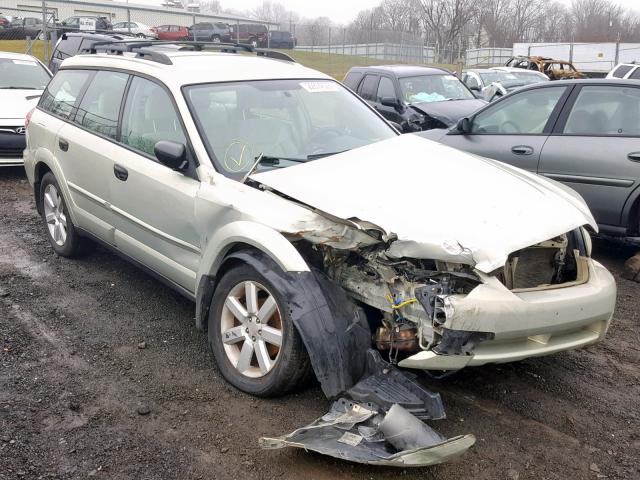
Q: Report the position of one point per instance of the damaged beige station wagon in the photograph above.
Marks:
(313, 238)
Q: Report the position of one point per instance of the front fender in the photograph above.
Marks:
(259, 236)
(242, 232)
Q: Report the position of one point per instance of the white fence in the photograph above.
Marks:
(380, 51)
(487, 57)
(588, 57)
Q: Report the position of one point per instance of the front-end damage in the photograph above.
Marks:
(486, 280)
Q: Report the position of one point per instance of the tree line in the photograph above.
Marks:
(459, 24)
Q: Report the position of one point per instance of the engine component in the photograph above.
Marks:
(402, 337)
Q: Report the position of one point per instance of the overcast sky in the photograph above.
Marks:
(340, 11)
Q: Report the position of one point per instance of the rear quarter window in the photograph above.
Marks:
(62, 92)
(621, 71)
(352, 80)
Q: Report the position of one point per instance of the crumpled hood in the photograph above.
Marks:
(15, 104)
(449, 111)
(440, 202)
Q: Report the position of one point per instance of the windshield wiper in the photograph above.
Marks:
(316, 156)
(269, 160)
(20, 88)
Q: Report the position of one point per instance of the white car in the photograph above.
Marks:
(23, 78)
(135, 28)
(625, 71)
(312, 235)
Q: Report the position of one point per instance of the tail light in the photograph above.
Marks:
(27, 119)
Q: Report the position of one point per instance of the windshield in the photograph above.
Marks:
(26, 74)
(289, 119)
(433, 88)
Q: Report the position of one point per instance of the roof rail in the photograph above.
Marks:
(144, 49)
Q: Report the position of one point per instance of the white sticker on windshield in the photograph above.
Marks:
(24, 62)
(315, 87)
(451, 77)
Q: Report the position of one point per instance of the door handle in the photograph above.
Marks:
(121, 173)
(63, 144)
(634, 156)
(522, 150)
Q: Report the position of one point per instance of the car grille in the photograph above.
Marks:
(11, 144)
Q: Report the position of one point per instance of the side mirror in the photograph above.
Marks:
(171, 154)
(390, 102)
(464, 126)
(474, 86)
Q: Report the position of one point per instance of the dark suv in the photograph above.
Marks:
(81, 22)
(71, 44)
(252, 33)
(416, 98)
(278, 39)
(213, 32)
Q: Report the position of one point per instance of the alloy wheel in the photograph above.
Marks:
(54, 215)
(251, 327)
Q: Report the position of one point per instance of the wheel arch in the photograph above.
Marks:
(332, 326)
(236, 237)
(630, 217)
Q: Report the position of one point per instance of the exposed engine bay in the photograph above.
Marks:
(406, 299)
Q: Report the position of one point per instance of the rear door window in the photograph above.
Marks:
(68, 47)
(605, 110)
(62, 92)
(100, 105)
(636, 74)
(368, 87)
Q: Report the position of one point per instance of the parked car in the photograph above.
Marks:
(84, 23)
(415, 98)
(625, 70)
(4, 22)
(70, 44)
(172, 32)
(554, 69)
(585, 134)
(212, 32)
(23, 78)
(253, 34)
(494, 83)
(21, 28)
(135, 28)
(260, 190)
(280, 39)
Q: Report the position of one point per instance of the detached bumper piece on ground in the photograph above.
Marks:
(379, 422)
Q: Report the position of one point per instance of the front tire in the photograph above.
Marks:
(61, 232)
(251, 333)
(215, 39)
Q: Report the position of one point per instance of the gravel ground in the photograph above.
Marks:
(82, 396)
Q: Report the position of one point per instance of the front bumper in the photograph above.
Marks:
(11, 147)
(526, 324)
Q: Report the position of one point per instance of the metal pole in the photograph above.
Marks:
(193, 28)
(128, 18)
(44, 31)
(237, 31)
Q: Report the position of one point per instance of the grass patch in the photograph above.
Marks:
(334, 65)
(20, 46)
(337, 65)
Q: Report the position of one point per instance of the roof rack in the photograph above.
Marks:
(144, 49)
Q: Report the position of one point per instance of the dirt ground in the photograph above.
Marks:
(75, 386)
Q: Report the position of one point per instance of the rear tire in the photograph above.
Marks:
(247, 320)
(61, 231)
